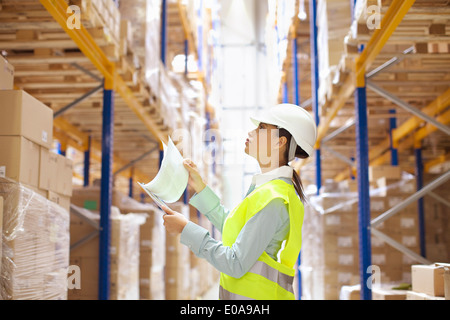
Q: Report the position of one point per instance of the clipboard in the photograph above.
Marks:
(154, 197)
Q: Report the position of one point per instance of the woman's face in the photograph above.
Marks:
(263, 144)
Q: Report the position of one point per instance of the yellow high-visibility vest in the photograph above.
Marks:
(267, 279)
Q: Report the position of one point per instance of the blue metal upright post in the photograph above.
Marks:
(362, 156)
(106, 194)
(163, 30)
(87, 163)
(420, 207)
(392, 126)
(130, 183)
(285, 92)
(315, 82)
(295, 75)
(63, 150)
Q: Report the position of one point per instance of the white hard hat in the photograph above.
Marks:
(294, 119)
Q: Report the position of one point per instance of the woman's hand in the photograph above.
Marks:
(174, 221)
(195, 180)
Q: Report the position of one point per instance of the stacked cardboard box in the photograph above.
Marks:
(102, 17)
(6, 75)
(152, 261)
(152, 237)
(379, 292)
(437, 237)
(198, 273)
(152, 249)
(428, 282)
(124, 255)
(1, 231)
(26, 136)
(35, 245)
(330, 43)
(402, 227)
(330, 250)
(26, 132)
(177, 268)
(202, 274)
(330, 247)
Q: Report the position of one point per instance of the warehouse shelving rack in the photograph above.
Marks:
(376, 156)
(110, 82)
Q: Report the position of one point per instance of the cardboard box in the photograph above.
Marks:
(376, 172)
(6, 75)
(124, 257)
(428, 279)
(23, 115)
(59, 199)
(1, 231)
(45, 168)
(52, 173)
(55, 172)
(385, 294)
(447, 283)
(19, 159)
(64, 178)
(36, 246)
(411, 295)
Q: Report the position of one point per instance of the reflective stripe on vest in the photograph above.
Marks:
(263, 269)
(227, 295)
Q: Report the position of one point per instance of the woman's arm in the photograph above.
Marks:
(205, 200)
(208, 203)
(251, 242)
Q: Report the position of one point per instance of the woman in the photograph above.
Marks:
(262, 235)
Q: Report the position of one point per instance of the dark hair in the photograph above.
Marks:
(299, 153)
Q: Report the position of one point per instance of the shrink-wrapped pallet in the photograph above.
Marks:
(124, 254)
(152, 248)
(35, 245)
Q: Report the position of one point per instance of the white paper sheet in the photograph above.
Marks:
(171, 179)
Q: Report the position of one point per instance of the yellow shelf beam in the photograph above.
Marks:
(79, 141)
(439, 160)
(380, 154)
(345, 93)
(394, 15)
(113, 81)
(434, 108)
(187, 28)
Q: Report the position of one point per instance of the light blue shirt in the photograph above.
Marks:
(265, 231)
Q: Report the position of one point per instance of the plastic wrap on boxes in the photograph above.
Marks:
(127, 255)
(177, 266)
(145, 23)
(35, 243)
(124, 255)
(152, 248)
